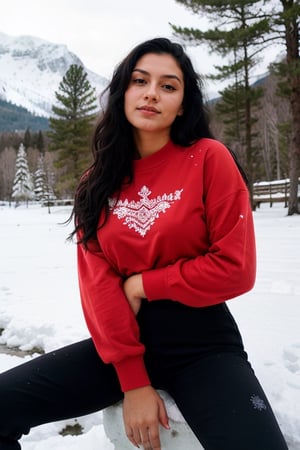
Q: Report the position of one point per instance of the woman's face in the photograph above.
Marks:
(155, 93)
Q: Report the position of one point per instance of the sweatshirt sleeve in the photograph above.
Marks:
(228, 268)
(109, 318)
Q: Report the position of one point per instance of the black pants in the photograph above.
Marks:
(194, 354)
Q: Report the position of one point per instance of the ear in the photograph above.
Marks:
(180, 111)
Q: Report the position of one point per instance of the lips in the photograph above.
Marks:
(148, 109)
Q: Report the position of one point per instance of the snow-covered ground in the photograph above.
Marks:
(40, 307)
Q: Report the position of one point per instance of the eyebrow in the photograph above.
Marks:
(174, 77)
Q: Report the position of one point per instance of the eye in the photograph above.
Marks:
(138, 81)
(168, 87)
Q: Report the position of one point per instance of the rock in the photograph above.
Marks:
(179, 437)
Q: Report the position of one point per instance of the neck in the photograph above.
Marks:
(148, 143)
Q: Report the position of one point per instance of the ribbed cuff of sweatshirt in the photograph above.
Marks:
(132, 373)
(155, 283)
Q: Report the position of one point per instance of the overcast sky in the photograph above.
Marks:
(101, 32)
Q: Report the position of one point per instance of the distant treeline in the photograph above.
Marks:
(15, 118)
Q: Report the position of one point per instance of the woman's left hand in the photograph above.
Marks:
(143, 411)
(134, 291)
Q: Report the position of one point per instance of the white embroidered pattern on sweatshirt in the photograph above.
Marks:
(142, 214)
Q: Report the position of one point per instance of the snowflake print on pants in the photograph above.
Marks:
(257, 403)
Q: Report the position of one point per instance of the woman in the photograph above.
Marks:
(165, 238)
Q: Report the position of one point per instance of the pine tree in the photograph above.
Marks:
(43, 188)
(40, 142)
(27, 138)
(276, 21)
(71, 126)
(240, 33)
(22, 186)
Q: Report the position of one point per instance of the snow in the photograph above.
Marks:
(31, 70)
(40, 307)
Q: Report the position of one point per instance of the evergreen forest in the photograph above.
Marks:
(13, 118)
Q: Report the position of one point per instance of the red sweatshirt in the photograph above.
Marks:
(186, 224)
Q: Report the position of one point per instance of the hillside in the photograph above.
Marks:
(31, 70)
(17, 118)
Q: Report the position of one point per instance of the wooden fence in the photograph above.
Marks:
(271, 192)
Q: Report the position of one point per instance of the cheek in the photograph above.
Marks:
(127, 103)
(176, 108)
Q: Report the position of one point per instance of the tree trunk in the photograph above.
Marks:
(293, 62)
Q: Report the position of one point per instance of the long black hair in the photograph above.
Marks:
(113, 144)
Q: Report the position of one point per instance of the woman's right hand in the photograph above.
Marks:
(143, 412)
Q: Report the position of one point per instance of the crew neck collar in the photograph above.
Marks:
(155, 159)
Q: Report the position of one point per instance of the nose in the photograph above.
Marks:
(151, 93)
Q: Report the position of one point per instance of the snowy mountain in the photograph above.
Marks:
(31, 70)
